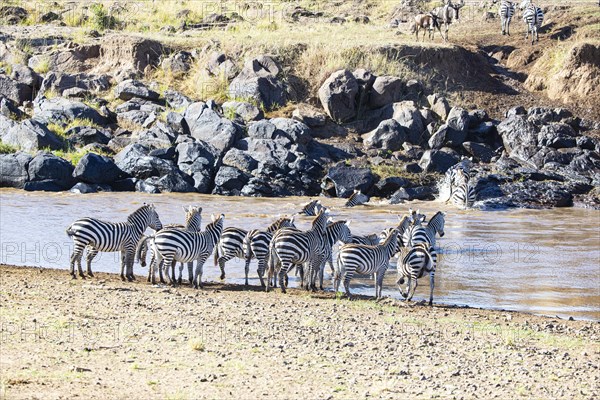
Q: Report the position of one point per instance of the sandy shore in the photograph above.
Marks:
(102, 338)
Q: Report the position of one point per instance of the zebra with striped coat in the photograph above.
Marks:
(312, 208)
(533, 17)
(417, 233)
(356, 198)
(363, 259)
(178, 245)
(231, 245)
(193, 223)
(256, 245)
(506, 12)
(97, 235)
(291, 247)
(464, 194)
(338, 231)
(414, 263)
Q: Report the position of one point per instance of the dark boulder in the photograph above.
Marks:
(439, 105)
(80, 136)
(172, 181)
(341, 181)
(338, 96)
(298, 132)
(176, 100)
(59, 82)
(222, 66)
(13, 169)
(207, 125)
(438, 160)
(558, 136)
(244, 110)
(135, 161)
(458, 119)
(14, 90)
(388, 186)
(259, 80)
(517, 131)
(389, 135)
(178, 63)
(240, 159)
(85, 188)
(62, 110)
(124, 185)
(128, 89)
(229, 181)
(386, 90)
(479, 151)
(94, 168)
(31, 135)
(50, 169)
(146, 187)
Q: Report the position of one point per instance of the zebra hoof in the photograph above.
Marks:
(179, 281)
(222, 276)
(129, 279)
(73, 276)
(123, 277)
(283, 290)
(90, 274)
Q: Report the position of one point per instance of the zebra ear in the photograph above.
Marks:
(199, 209)
(186, 209)
(292, 219)
(348, 223)
(212, 217)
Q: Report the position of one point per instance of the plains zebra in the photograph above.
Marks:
(363, 259)
(178, 245)
(464, 195)
(533, 17)
(96, 236)
(418, 233)
(506, 11)
(446, 13)
(356, 198)
(291, 247)
(338, 231)
(370, 239)
(311, 209)
(426, 22)
(256, 245)
(193, 223)
(413, 263)
(231, 245)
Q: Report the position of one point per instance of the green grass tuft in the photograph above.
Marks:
(6, 148)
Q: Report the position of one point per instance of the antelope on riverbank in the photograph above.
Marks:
(426, 22)
(446, 14)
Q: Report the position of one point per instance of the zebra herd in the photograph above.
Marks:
(279, 248)
(533, 16)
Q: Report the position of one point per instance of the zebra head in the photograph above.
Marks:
(215, 228)
(193, 218)
(340, 231)
(437, 223)
(144, 217)
(319, 224)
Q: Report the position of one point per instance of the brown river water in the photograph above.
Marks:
(536, 261)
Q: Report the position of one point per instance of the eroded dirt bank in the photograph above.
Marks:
(102, 338)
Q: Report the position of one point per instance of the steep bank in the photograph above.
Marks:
(140, 341)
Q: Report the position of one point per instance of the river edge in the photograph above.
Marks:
(104, 338)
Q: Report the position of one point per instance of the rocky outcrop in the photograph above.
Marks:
(260, 81)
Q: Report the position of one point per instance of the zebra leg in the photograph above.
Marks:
(283, 274)
(413, 286)
(261, 271)
(190, 272)
(198, 273)
(222, 260)
(89, 257)
(180, 278)
(123, 252)
(431, 286)
(76, 258)
(347, 276)
(247, 269)
(379, 285)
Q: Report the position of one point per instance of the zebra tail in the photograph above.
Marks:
(70, 231)
(216, 254)
(140, 250)
(246, 246)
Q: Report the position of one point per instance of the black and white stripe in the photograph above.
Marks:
(363, 259)
(97, 235)
(291, 248)
(193, 223)
(533, 17)
(256, 245)
(312, 208)
(174, 245)
(338, 231)
(418, 233)
(371, 239)
(356, 198)
(464, 195)
(414, 263)
(506, 11)
(231, 245)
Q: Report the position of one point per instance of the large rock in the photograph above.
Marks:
(62, 110)
(135, 161)
(479, 151)
(31, 135)
(123, 52)
(259, 80)
(341, 181)
(447, 136)
(309, 115)
(240, 160)
(386, 90)
(458, 119)
(52, 170)
(80, 136)
(14, 90)
(76, 59)
(338, 96)
(229, 181)
(178, 63)
(207, 125)
(438, 160)
(517, 131)
(59, 82)
(244, 110)
(94, 168)
(222, 66)
(298, 132)
(128, 89)
(389, 135)
(12, 15)
(176, 100)
(13, 169)
(558, 136)
(199, 160)
(173, 181)
(439, 105)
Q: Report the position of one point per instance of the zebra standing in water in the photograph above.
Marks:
(356, 198)
(463, 194)
(413, 263)
(291, 247)
(335, 232)
(178, 245)
(418, 233)
(533, 17)
(96, 236)
(193, 223)
(256, 245)
(363, 259)
(231, 245)
(312, 209)
(506, 11)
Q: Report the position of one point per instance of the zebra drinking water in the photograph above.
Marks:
(356, 198)
(533, 17)
(256, 245)
(97, 235)
(193, 223)
(363, 259)
(178, 245)
(291, 247)
(311, 209)
(414, 263)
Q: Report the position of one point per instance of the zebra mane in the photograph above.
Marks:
(436, 216)
(143, 209)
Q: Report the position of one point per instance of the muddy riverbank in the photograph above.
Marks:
(102, 338)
